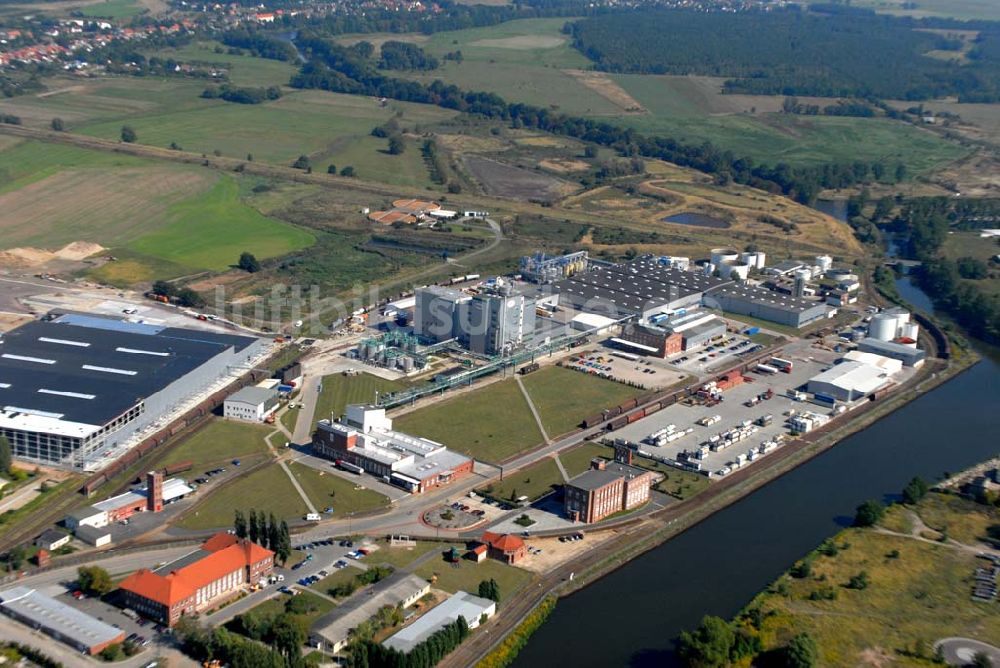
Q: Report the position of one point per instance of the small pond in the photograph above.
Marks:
(696, 220)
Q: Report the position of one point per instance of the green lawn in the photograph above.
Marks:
(28, 162)
(401, 557)
(532, 481)
(275, 606)
(968, 243)
(466, 576)
(218, 442)
(577, 460)
(340, 390)
(337, 577)
(328, 489)
(267, 489)
(490, 424)
(210, 231)
(561, 410)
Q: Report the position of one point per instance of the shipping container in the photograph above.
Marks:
(179, 467)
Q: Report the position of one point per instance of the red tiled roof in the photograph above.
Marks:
(479, 549)
(228, 554)
(503, 541)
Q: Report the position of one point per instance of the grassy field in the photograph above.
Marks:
(532, 481)
(967, 243)
(275, 606)
(327, 489)
(219, 442)
(112, 9)
(680, 107)
(401, 557)
(267, 489)
(562, 411)
(244, 70)
(577, 460)
(490, 424)
(211, 230)
(960, 9)
(918, 597)
(466, 576)
(327, 127)
(339, 390)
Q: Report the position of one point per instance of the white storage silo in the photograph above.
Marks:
(755, 259)
(910, 330)
(720, 255)
(708, 268)
(824, 262)
(735, 269)
(882, 327)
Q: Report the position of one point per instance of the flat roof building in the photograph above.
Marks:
(607, 488)
(56, 619)
(93, 536)
(365, 438)
(251, 404)
(333, 630)
(52, 540)
(849, 381)
(460, 604)
(75, 386)
(641, 287)
(125, 505)
(766, 305)
(908, 356)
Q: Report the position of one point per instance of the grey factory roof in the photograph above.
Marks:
(336, 625)
(89, 370)
(891, 349)
(460, 604)
(595, 479)
(86, 512)
(89, 534)
(635, 286)
(252, 395)
(54, 616)
(442, 292)
(763, 297)
(51, 536)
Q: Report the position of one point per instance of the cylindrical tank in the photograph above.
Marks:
(735, 269)
(708, 268)
(882, 327)
(824, 262)
(910, 330)
(720, 255)
(755, 259)
(407, 364)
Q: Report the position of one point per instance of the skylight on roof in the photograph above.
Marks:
(25, 358)
(108, 369)
(137, 351)
(74, 395)
(64, 342)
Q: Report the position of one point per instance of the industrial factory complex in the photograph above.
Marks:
(365, 441)
(75, 386)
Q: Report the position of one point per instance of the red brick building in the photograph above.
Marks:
(504, 547)
(654, 341)
(607, 488)
(197, 582)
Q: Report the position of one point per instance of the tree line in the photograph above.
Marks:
(370, 654)
(259, 44)
(405, 56)
(266, 531)
(922, 228)
(341, 69)
(792, 52)
(242, 95)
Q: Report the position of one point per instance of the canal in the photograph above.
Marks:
(632, 616)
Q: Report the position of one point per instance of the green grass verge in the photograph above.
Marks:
(339, 390)
(267, 489)
(577, 460)
(275, 606)
(112, 9)
(561, 410)
(218, 442)
(490, 424)
(401, 557)
(328, 489)
(532, 481)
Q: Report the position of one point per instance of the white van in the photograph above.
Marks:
(313, 517)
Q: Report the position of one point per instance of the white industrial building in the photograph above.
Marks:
(251, 404)
(849, 381)
(461, 604)
(594, 322)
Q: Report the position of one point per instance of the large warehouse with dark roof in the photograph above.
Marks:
(74, 386)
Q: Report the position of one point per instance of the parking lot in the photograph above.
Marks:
(731, 350)
(609, 363)
(734, 411)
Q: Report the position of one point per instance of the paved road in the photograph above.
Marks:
(961, 651)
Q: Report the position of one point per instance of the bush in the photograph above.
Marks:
(859, 581)
(869, 513)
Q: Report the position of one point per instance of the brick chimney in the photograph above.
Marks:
(154, 491)
(598, 464)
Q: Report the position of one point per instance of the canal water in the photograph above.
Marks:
(632, 616)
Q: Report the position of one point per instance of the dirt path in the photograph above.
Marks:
(534, 411)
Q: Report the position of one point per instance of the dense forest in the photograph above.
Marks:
(259, 44)
(792, 52)
(923, 225)
(344, 69)
(405, 56)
